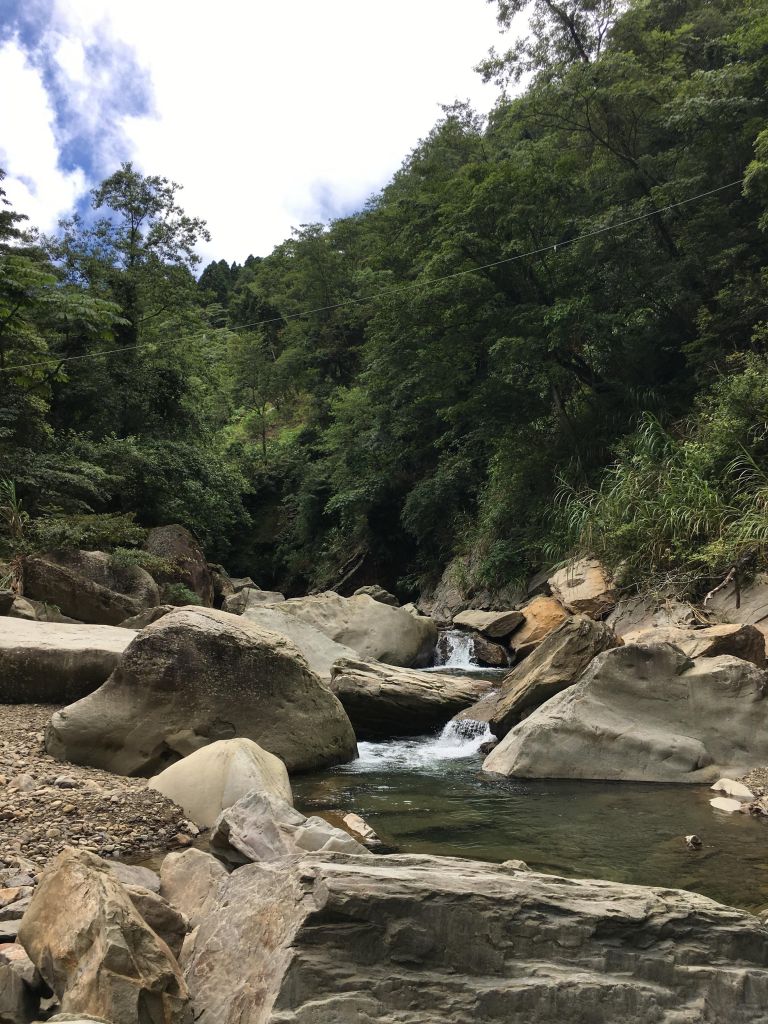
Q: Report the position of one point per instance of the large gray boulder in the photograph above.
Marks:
(94, 950)
(384, 701)
(213, 778)
(555, 664)
(422, 940)
(319, 650)
(376, 631)
(51, 663)
(645, 712)
(87, 586)
(196, 676)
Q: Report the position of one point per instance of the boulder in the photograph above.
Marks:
(48, 663)
(218, 775)
(422, 940)
(7, 597)
(134, 874)
(376, 631)
(147, 617)
(86, 586)
(261, 827)
(540, 617)
(556, 664)
(177, 545)
(496, 625)
(199, 675)
(645, 713)
(166, 921)
(727, 804)
(37, 611)
(636, 612)
(250, 597)
(746, 642)
(490, 654)
(747, 603)
(320, 652)
(384, 701)
(94, 950)
(378, 594)
(734, 789)
(585, 586)
(190, 881)
(19, 985)
(222, 583)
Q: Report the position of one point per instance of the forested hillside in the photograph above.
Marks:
(548, 331)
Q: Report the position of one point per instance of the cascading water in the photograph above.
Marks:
(455, 650)
(458, 739)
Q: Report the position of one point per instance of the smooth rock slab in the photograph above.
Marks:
(430, 940)
(645, 713)
(383, 701)
(496, 625)
(740, 641)
(56, 663)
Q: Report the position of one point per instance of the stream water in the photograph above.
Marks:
(429, 795)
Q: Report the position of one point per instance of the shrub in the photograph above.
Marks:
(155, 565)
(102, 531)
(178, 594)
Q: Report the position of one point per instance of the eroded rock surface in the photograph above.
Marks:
(196, 676)
(427, 939)
(585, 586)
(740, 641)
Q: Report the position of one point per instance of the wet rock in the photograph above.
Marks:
(693, 842)
(51, 663)
(384, 700)
(196, 676)
(207, 781)
(724, 803)
(351, 939)
(645, 712)
(94, 950)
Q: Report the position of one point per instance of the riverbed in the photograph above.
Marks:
(430, 795)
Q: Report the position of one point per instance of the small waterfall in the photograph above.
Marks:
(458, 739)
(455, 649)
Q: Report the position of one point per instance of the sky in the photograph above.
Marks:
(270, 114)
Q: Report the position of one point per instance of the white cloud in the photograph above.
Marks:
(29, 153)
(262, 107)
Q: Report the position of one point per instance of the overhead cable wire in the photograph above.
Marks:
(552, 247)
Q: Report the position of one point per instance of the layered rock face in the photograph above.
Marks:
(196, 676)
(384, 701)
(425, 939)
(86, 586)
(645, 713)
(95, 951)
(52, 663)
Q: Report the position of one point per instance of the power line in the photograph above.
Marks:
(553, 247)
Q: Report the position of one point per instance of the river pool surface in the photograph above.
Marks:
(429, 795)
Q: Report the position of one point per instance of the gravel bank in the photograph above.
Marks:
(46, 805)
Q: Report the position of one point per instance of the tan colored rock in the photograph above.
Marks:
(540, 617)
(496, 625)
(94, 950)
(422, 940)
(250, 597)
(166, 921)
(87, 586)
(147, 617)
(585, 586)
(556, 664)
(645, 713)
(52, 663)
(196, 676)
(746, 642)
(213, 778)
(378, 594)
(384, 700)
(190, 880)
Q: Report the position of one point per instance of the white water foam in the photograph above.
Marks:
(458, 739)
(456, 650)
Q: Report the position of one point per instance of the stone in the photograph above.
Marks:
(740, 641)
(747, 603)
(556, 664)
(250, 597)
(693, 842)
(157, 913)
(645, 713)
(378, 594)
(94, 950)
(213, 778)
(87, 586)
(383, 701)
(144, 618)
(724, 803)
(52, 663)
(540, 617)
(375, 631)
(261, 827)
(18, 1001)
(7, 597)
(422, 940)
(241, 582)
(190, 880)
(490, 654)
(177, 545)
(496, 625)
(585, 586)
(222, 583)
(637, 612)
(22, 608)
(196, 676)
(14, 955)
(135, 875)
(734, 789)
